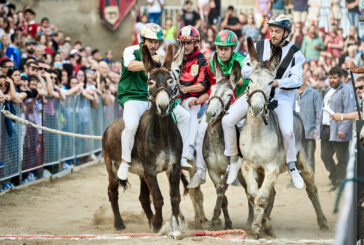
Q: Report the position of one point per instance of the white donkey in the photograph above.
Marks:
(262, 147)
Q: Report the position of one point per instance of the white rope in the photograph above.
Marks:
(54, 131)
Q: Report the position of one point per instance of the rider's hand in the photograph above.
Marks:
(194, 102)
(341, 135)
(336, 116)
(275, 83)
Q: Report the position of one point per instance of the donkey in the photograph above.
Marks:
(157, 147)
(262, 147)
(213, 144)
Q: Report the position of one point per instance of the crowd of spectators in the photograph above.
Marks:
(39, 64)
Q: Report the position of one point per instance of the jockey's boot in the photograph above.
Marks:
(184, 163)
(196, 181)
(235, 164)
(295, 175)
(123, 170)
(191, 153)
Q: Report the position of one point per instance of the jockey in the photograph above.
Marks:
(133, 94)
(192, 81)
(225, 42)
(287, 80)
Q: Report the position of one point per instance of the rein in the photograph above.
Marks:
(266, 103)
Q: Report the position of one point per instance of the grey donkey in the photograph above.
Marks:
(262, 147)
(213, 144)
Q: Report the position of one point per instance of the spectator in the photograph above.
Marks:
(351, 39)
(202, 8)
(309, 106)
(189, 17)
(231, 22)
(264, 29)
(214, 18)
(249, 29)
(29, 26)
(300, 8)
(169, 32)
(314, 13)
(45, 27)
(297, 35)
(335, 136)
(154, 10)
(143, 20)
(6, 28)
(334, 43)
(277, 7)
(108, 57)
(262, 9)
(353, 12)
(5, 64)
(335, 12)
(359, 57)
(312, 45)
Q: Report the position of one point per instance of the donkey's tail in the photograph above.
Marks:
(185, 183)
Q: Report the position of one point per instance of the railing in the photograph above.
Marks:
(24, 148)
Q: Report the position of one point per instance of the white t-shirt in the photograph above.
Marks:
(156, 7)
(326, 117)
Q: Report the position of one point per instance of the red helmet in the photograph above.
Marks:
(188, 33)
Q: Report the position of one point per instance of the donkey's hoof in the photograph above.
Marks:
(119, 226)
(216, 223)
(256, 232)
(228, 225)
(324, 227)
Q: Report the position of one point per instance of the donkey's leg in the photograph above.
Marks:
(262, 199)
(113, 192)
(153, 186)
(311, 189)
(174, 192)
(251, 183)
(144, 198)
(228, 223)
(250, 206)
(220, 187)
(196, 197)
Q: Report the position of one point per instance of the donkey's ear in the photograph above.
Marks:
(254, 58)
(235, 72)
(275, 59)
(217, 68)
(178, 58)
(169, 57)
(147, 59)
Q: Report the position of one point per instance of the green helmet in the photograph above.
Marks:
(226, 38)
(152, 31)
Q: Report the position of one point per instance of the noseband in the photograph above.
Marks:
(266, 103)
(172, 97)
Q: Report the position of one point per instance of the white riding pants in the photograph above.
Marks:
(200, 161)
(193, 110)
(133, 111)
(284, 113)
(235, 114)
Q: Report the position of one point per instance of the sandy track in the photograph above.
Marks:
(78, 204)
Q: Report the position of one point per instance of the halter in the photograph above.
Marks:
(266, 103)
(223, 112)
(171, 96)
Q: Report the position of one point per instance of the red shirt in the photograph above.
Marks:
(30, 28)
(335, 52)
(193, 72)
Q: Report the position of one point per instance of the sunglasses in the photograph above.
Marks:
(3, 85)
(42, 68)
(53, 77)
(360, 87)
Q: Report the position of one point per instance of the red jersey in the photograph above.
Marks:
(193, 72)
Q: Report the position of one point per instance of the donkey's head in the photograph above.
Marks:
(222, 91)
(162, 81)
(261, 78)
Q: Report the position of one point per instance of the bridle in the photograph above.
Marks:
(266, 102)
(223, 112)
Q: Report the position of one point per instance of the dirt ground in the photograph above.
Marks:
(78, 204)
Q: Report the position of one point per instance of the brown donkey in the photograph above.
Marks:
(157, 147)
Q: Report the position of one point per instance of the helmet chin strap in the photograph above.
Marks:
(280, 42)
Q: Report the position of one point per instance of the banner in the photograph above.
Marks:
(112, 12)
